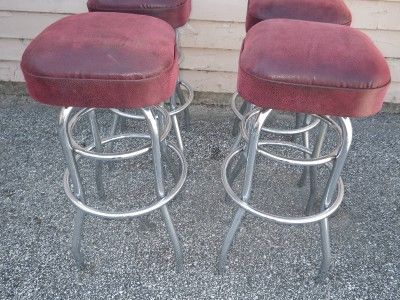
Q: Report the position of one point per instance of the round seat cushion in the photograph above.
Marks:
(326, 11)
(311, 67)
(105, 60)
(175, 12)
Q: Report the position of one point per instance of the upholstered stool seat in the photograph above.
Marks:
(326, 11)
(175, 12)
(314, 68)
(77, 62)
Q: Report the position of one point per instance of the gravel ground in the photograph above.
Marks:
(133, 259)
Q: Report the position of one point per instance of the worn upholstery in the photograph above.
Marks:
(175, 12)
(326, 11)
(127, 62)
(312, 67)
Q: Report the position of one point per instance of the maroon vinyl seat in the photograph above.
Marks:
(128, 62)
(311, 67)
(175, 12)
(326, 11)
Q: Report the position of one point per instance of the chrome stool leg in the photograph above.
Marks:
(301, 120)
(77, 237)
(313, 170)
(254, 132)
(333, 161)
(182, 99)
(174, 112)
(299, 117)
(175, 123)
(303, 125)
(306, 143)
(178, 91)
(243, 110)
(99, 147)
(78, 189)
(113, 131)
(73, 151)
(158, 171)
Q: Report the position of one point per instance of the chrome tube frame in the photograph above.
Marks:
(246, 107)
(251, 128)
(178, 92)
(73, 152)
(173, 112)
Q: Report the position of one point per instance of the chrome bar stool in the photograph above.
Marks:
(75, 63)
(327, 71)
(176, 13)
(334, 12)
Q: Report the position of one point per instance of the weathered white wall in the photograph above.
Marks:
(211, 41)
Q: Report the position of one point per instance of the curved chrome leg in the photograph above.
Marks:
(299, 117)
(306, 141)
(243, 110)
(240, 164)
(113, 130)
(326, 249)
(109, 147)
(247, 188)
(158, 170)
(347, 132)
(98, 146)
(313, 170)
(181, 97)
(169, 164)
(186, 112)
(175, 123)
(76, 181)
(235, 171)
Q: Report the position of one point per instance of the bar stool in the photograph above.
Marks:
(128, 63)
(332, 11)
(176, 13)
(329, 71)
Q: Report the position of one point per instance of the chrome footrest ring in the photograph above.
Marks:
(279, 219)
(135, 213)
(87, 151)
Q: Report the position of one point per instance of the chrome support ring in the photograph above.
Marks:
(295, 131)
(87, 152)
(283, 220)
(136, 213)
(308, 162)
